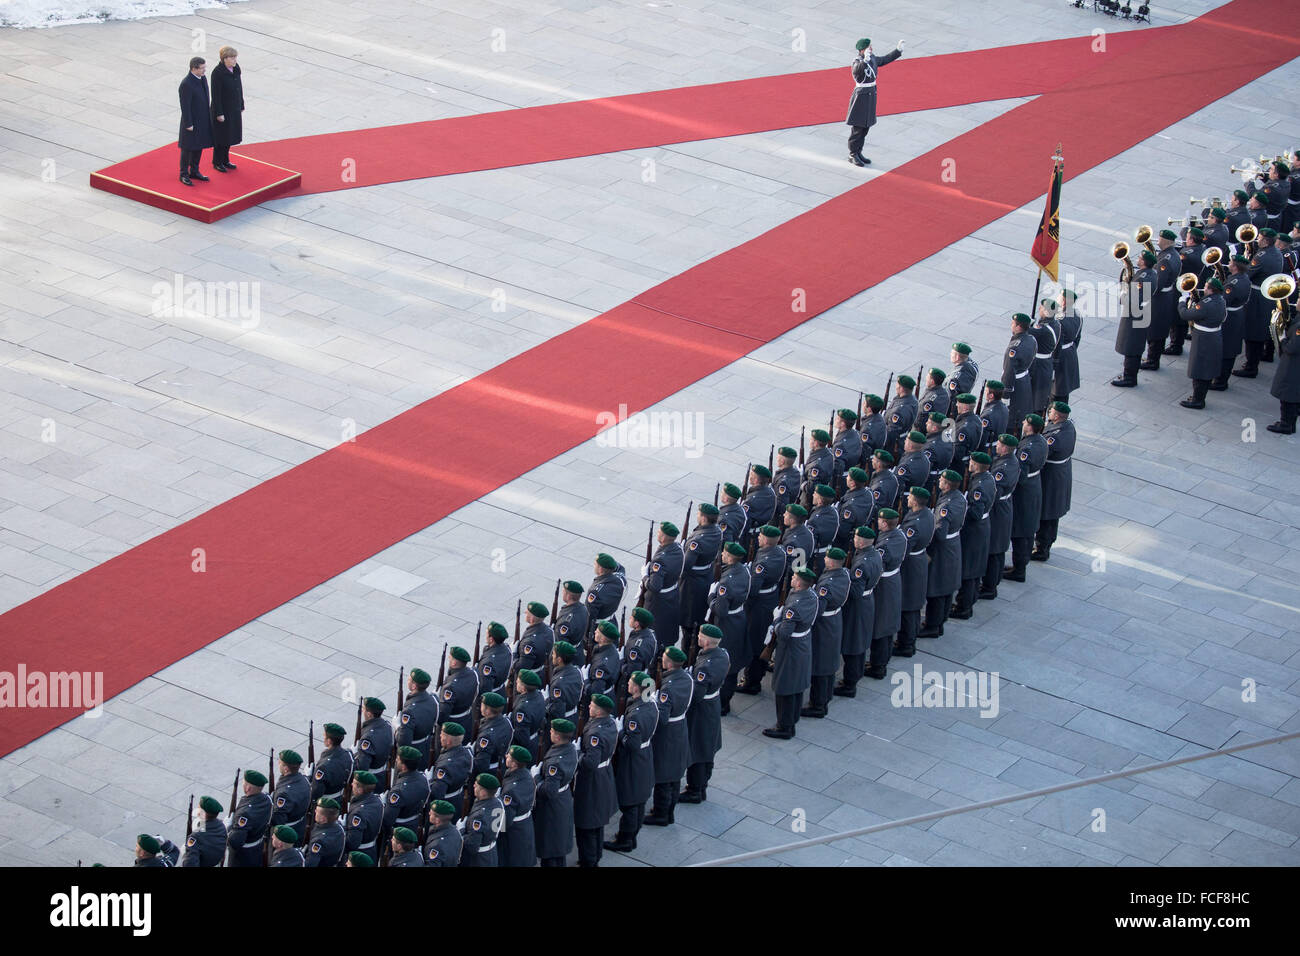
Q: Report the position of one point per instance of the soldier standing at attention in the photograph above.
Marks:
(728, 611)
(824, 522)
(419, 714)
(847, 447)
(642, 646)
(207, 844)
(495, 734)
(918, 527)
(663, 577)
(819, 469)
(968, 434)
(494, 667)
(935, 399)
(762, 501)
(828, 633)
(792, 657)
(862, 105)
(891, 544)
(981, 495)
(452, 768)
(482, 823)
(961, 378)
(443, 843)
(327, 842)
(606, 590)
(406, 848)
(283, 850)
(565, 691)
(365, 816)
(1016, 362)
(914, 467)
(901, 413)
(884, 483)
(785, 483)
(249, 822)
(1006, 475)
(375, 744)
(859, 610)
(1027, 503)
(634, 770)
(1047, 334)
(334, 766)
(605, 667)
(1065, 367)
(798, 540)
(459, 691)
(856, 507)
(872, 426)
(515, 843)
(292, 796)
(704, 716)
(995, 414)
(732, 517)
(672, 748)
(701, 551)
(533, 651)
(1057, 476)
(766, 574)
(409, 793)
(553, 809)
(572, 622)
(945, 554)
(595, 797)
(530, 711)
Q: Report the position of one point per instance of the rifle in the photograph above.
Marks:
(555, 602)
(234, 794)
(311, 746)
(861, 398)
(435, 745)
(771, 452)
(801, 432)
(919, 378)
(717, 490)
(649, 552)
(478, 642)
(189, 819)
(474, 718)
(356, 737)
(622, 630)
(888, 386)
(401, 687)
(979, 407)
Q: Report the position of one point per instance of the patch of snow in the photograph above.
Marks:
(55, 13)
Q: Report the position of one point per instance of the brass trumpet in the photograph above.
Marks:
(1279, 288)
(1177, 222)
(1210, 201)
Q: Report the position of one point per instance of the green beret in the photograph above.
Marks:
(865, 532)
(826, 491)
(1011, 441)
(1218, 212)
(453, 729)
(643, 614)
(966, 398)
(209, 805)
(883, 455)
(608, 628)
(668, 528)
(1268, 232)
(889, 513)
(1168, 234)
(982, 457)
(1196, 232)
(858, 475)
(821, 434)
(1241, 194)
(335, 731)
(366, 777)
(916, 436)
(1149, 257)
(762, 471)
(405, 836)
(1283, 170)
(460, 654)
(488, 782)
(918, 492)
(807, 574)
(522, 755)
(360, 859)
(731, 547)
(529, 678)
(952, 476)
(1063, 408)
(848, 414)
(994, 384)
(874, 402)
(1283, 237)
(936, 418)
(147, 843)
(603, 702)
(1035, 420)
(444, 808)
(1243, 260)
(938, 374)
(538, 609)
(709, 510)
(641, 679)
(409, 754)
(289, 835)
(562, 725)
(255, 778)
(711, 630)
(1021, 319)
(564, 650)
(291, 758)
(835, 554)
(328, 803)
(1049, 304)
(376, 706)
(493, 699)
(770, 531)
(907, 381)
(961, 348)
(864, 43)
(495, 629)
(799, 511)
(605, 561)
(676, 654)
(785, 451)
(422, 678)
(730, 490)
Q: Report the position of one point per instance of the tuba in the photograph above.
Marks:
(1187, 283)
(1119, 251)
(1143, 236)
(1247, 235)
(1279, 288)
(1212, 258)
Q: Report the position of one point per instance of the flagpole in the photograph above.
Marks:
(1058, 162)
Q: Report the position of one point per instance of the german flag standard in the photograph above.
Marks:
(1046, 250)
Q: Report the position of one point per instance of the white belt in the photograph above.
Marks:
(682, 715)
(713, 695)
(258, 842)
(671, 589)
(333, 796)
(1201, 328)
(955, 534)
(1170, 289)
(889, 574)
(1235, 308)
(1022, 374)
(603, 765)
(865, 86)
(984, 515)
(802, 633)
(868, 592)
(570, 713)
(1254, 286)
(822, 549)
(1005, 497)
(767, 590)
(737, 610)
(489, 847)
(523, 816)
(461, 714)
(421, 740)
(1293, 202)
(364, 846)
(832, 613)
(563, 788)
(646, 744)
(413, 816)
(1066, 345)
(1032, 474)
(1059, 461)
(1042, 355)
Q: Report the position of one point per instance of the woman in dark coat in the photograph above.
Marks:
(227, 109)
(862, 106)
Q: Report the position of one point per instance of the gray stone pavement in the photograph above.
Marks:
(375, 299)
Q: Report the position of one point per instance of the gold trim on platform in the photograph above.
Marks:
(193, 205)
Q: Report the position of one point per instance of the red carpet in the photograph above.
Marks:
(154, 179)
(139, 612)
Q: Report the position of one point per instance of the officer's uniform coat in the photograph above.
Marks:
(981, 496)
(1018, 388)
(860, 608)
(767, 574)
(365, 820)
(792, 658)
(663, 593)
(832, 590)
(404, 804)
(516, 845)
(634, 763)
(1006, 476)
(479, 828)
(247, 830)
(594, 795)
(1026, 504)
(330, 777)
(671, 746)
(442, 846)
(527, 718)
(704, 716)
(892, 548)
(326, 845)
(375, 748)
(605, 594)
(419, 714)
(553, 806)
(1205, 361)
(945, 546)
(205, 846)
(450, 771)
(1058, 476)
(728, 612)
(697, 572)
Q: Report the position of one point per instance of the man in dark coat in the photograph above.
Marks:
(727, 611)
(1236, 293)
(768, 570)
(792, 657)
(196, 122)
(227, 109)
(207, 844)
(945, 554)
(699, 555)
(483, 823)
(872, 427)
(553, 806)
(1016, 361)
(1065, 368)
(901, 413)
(1047, 334)
(1006, 475)
(1026, 506)
(918, 527)
(891, 545)
(995, 414)
(594, 796)
(1058, 475)
(1205, 316)
(572, 622)
(663, 578)
(704, 716)
(515, 843)
(862, 106)
(856, 508)
(828, 633)
(1286, 378)
(981, 496)
(672, 746)
(859, 610)
(884, 482)
(1266, 261)
(634, 768)
(1164, 303)
(1137, 308)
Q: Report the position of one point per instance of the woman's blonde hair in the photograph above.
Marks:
(226, 51)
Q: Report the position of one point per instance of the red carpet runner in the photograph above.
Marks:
(139, 612)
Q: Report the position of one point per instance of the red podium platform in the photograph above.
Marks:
(154, 178)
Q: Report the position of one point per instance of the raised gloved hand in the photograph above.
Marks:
(899, 46)
(776, 612)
